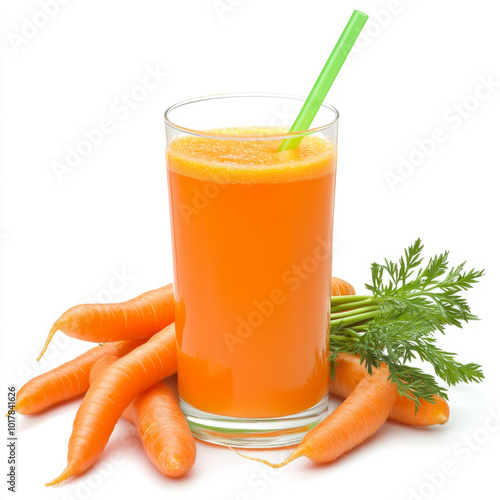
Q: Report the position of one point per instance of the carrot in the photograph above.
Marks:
(341, 287)
(99, 366)
(138, 318)
(363, 412)
(427, 414)
(66, 381)
(348, 374)
(163, 430)
(112, 391)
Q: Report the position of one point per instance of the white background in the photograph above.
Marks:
(64, 238)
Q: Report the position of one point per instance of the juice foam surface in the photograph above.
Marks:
(250, 161)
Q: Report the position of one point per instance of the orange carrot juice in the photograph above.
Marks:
(252, 236)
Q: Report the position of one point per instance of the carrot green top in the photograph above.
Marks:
(250, 161)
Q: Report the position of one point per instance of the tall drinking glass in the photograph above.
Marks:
(252, 238)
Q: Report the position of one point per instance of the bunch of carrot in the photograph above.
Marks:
(124, 376)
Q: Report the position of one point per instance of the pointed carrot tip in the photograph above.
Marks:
(52, 332)
(265, 462)
(65, 474)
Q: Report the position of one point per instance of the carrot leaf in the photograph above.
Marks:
(411, 303)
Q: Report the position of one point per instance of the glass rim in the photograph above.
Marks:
(212, 135)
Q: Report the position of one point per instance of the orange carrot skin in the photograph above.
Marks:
(97, 368)
(111, 392)
(363, 412)
(348, 374)
(163, 430)
(427, 414)
(139, 317)
(67, 381)
(166, 436)
(341, 287)
(100, 365)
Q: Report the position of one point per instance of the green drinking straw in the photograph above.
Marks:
(326, 78)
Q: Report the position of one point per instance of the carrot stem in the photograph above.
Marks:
(346, 314)
(345, 299)
(340, 337)
(351, 305)
(357, 328)
(355, 319)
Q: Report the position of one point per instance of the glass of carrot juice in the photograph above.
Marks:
(252, 239)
